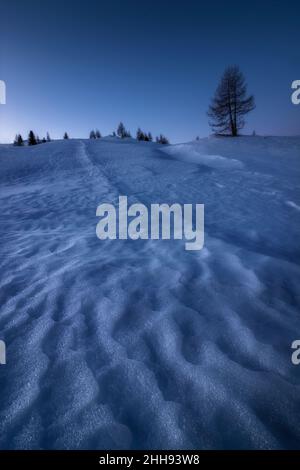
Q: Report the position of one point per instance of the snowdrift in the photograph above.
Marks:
(140, 344)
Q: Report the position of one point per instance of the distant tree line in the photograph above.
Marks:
(31, 140)
(122, 133)
(140, 135)
(162, 140)
(95, 134)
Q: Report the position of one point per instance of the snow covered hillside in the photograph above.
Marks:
(141, 344)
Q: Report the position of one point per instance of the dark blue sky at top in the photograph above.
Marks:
(77, 65)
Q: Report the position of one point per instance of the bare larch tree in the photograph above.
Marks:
(230, 103)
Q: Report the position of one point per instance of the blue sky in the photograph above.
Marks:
(77, 65)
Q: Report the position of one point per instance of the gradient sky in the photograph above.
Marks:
(77, 65)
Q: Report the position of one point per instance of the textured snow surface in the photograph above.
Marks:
(141, 344)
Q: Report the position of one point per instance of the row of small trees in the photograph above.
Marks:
(95, 134)
(122, 132)
(140, 135)
(34, 139)
(162, 140)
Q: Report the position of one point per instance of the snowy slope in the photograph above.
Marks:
(141, 344)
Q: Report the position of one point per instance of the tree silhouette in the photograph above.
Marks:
(162, 140)
(31, 138)
(139, 134)
(230, 103)
(121, 131)
(18, 140)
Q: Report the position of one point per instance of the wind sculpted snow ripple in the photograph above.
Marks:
(139, 344)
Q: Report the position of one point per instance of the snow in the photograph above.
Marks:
(140, 344)
(193, 154)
